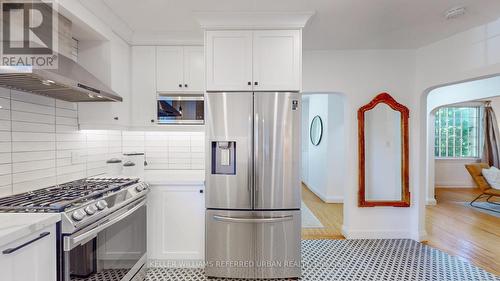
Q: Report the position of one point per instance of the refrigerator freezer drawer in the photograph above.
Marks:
(253, 244)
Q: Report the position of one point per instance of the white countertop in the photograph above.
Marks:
(17, 225)
(174, 177)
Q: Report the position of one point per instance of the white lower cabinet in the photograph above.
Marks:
(32, 257)
(176, 224)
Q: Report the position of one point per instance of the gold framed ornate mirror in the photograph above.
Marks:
(383, 153)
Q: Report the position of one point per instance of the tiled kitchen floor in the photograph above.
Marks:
(398, 259)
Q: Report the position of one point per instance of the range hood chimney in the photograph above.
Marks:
(69, 82)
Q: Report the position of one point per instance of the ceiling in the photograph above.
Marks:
(337, 24)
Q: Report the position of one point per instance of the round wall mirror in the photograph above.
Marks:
(316, 130)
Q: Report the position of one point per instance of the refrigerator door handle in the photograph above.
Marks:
(253, 220)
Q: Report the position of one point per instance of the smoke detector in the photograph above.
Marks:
(454, 13)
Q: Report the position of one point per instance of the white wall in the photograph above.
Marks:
(360, 75)
(466, 56)
(323, 167)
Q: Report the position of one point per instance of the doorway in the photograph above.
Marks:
(322, 166)
(455, 138)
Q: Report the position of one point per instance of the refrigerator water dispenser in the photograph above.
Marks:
(224, 157)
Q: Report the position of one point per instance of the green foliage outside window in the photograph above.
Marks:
(457, 132)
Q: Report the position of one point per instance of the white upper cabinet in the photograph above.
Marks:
(179, 69)
(276, 60)
(110, 62)
(169, 68)
(194, 69)
(143, 103)
(260, 60)
(229, 60)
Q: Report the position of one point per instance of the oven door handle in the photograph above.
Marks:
(70, 242)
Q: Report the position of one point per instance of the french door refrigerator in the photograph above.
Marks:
(253, 195)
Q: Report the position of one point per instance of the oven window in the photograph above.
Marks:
(117, 252)
(180, 111)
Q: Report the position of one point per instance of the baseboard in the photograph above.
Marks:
(419, 236)
(326, 199)
(454, 185)
(377, 234)
(430, 202)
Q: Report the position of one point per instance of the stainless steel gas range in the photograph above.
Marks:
(102, 233)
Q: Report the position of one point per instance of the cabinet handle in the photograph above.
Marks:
(116, 118)
(12, 250)
(185, 85)
(256, 83)
(249, 83)
(152, 120)
(201, 190)
(180, 85)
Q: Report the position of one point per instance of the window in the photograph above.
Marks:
(457, 132)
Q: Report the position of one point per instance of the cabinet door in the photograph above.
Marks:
(194, 69)
(116, 54)
(143, 102)
(229, 60)
(277, 60)
(35, 262)
(176, 223)
(169, 68)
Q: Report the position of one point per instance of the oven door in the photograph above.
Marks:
(112, 249)
(186, 109)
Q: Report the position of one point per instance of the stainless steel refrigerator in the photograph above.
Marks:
(253, 195)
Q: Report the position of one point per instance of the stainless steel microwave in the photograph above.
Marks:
(181, 109)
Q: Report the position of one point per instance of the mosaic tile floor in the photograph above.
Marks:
(106, 275)
(397, 259)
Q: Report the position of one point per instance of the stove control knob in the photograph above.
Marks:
(140, 187)
(90, 210)
(78, 215)
(101, 205)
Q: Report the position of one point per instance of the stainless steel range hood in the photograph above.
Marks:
(69, 82)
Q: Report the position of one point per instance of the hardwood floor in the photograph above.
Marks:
(330, 215)
(462, 231)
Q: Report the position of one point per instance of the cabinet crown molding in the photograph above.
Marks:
(253, 20)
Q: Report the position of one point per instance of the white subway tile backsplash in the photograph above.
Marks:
(33, 156)
(41, 145)
(5, 136)
(5, 93)
(66, 113)
(32, 146)
(32, 127)
(5, 103)
(21, 167)
(32, 108)
(5, 147)
(5, 158)
(5, 125)
(5, 190)
(25, 136)
(33, 117)
(5, 180)
(66, 121)
(5, 169)
(66, 128)
(33, 175)
(4, 114)
(185, 149)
